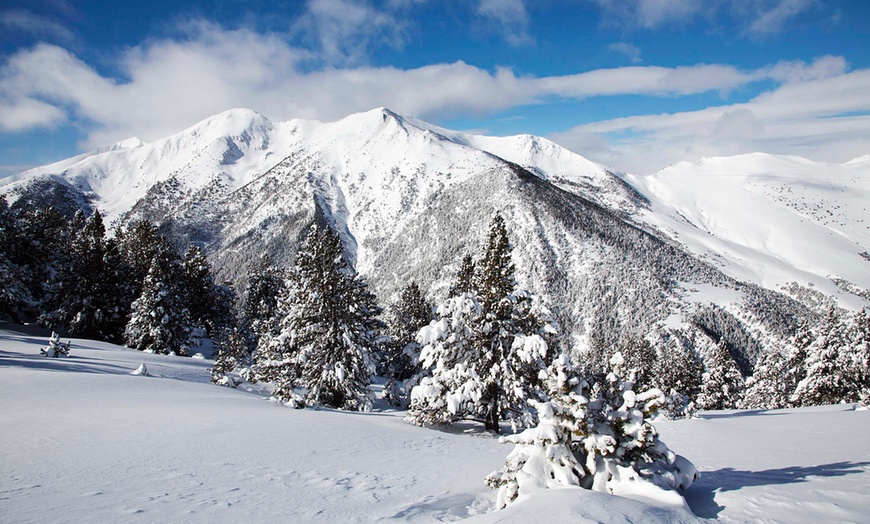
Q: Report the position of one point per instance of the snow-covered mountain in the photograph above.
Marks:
(605, 250)
(770, 219)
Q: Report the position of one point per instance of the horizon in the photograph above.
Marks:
(635, 85)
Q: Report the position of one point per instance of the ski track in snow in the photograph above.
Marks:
(85, 441)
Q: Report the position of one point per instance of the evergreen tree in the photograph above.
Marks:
(794, 367)
(402, 355)
(84, 301)
(861, 353)
(678, 372)
(598, 438)
(221, 315)
(259, 308)
(832, 375)
(768, 387)
(493, 278)
(722, 385)
(232, 352)
(198, 284)
(486, 350)
(463, 282)
(138, 246)
(160, 322)
(330, 328)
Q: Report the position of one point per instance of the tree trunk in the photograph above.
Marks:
(490, 422)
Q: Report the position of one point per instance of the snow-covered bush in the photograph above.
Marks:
(55, 347)
(598, 438)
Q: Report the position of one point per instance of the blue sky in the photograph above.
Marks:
(636, 84)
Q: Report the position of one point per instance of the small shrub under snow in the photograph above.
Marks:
(598, 438)
(55, 347)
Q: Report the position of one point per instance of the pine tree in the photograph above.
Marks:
(259, 308)
(330, 329)
(597, 437)
(794, 367)
(543, 455)
(84, 300)
(678, 372)
(831, 374)
(463, 282)
(402, 352)
(493, 277)
(160, 322)
(198, 284)
(861, 353)
(484, 353)
(232, 352)
(722, 386)
(768, 387)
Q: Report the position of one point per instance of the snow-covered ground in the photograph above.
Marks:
(84, 440)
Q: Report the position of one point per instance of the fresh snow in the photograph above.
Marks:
(769, 219)
(87, 441)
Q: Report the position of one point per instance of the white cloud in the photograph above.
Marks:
(27, 113)
(826, 119)
(24, 21)
(345, 30)
(648, 14)
(759, 18)
(170, 84)
(631, 51)
(772, 18)
(509, 18)
(650, 80)
(818, 109)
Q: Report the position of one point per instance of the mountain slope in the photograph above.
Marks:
(769, 219)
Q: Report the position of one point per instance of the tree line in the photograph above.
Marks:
(316, 333)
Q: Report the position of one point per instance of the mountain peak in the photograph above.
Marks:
(232, 122)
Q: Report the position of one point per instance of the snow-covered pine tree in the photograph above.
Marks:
(832, 376)
(84, 300)
(55, 347)
(463, 282)
(484, 353)
(768, 386)
(258, 312)
(722, 385)
(678, 372)
(543, 455)
(402, 352)
(861, 352)
(621, 448)
(222, 310)
(275, 358)
(198, 282)
(160, 322)
(794, 367)
(138, 245)
(232, 352)
(331, 325)
(211, 306)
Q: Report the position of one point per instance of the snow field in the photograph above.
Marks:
(86, 441)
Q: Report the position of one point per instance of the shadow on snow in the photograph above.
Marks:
(701, 495)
